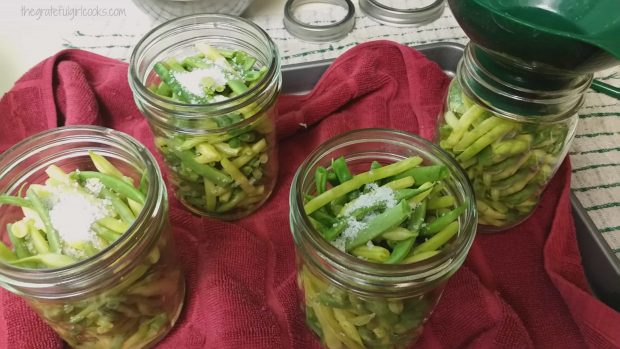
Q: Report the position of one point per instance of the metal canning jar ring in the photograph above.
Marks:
(402, 17)
(319, 33)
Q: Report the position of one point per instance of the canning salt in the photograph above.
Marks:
(73, 213)
(353, 228)
(94, 186)
(375, 195)
(192, 81)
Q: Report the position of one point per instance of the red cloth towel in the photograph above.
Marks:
(519, 289)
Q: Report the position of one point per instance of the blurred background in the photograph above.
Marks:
(31, 30)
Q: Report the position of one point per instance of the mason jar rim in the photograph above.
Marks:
(197, 111)
(470, 66)
(344, 262)
(39, 280)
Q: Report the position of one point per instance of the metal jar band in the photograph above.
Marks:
(319, 33)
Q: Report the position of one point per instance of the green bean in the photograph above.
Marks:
(340, 168)
(237, 86)
(238, 195)
(324, 217)
(18, 244)
(417, 257)
(121, 208)
(214, 175)
(398, 234)
(439, 239)
(401, 250)
(334, 298)
(52, 235)
(440, 223)
(15, 201)
(362, 212)
(470, 116)
(490, 137)
(408, 193)
(178, 91)
(387, 220)
(105, 233)
(38, 241)
(470, 137)
(417, 217)
(118, 185)
(6, 254)
(511, 147)
(50, 260)
(441, 202)
(332, 178)
(104, 166)
(521, 196)
(423, 174)
(117, 226)
(359, 180)
(424, 191)
(333, 231)
(320, 179)
(402, 183)
(163, 90)
(374, 253)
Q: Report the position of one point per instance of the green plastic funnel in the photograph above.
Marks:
(574, 36)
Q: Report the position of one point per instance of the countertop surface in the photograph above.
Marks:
(31, 30)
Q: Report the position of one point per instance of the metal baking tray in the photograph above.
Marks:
(602, 267)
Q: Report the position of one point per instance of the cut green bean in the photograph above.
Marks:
(232, 203)
(417, 217)
(443, 221)
(49, 260)
(401, 250)
(387, 220)
(321, 179)
(424, 174)
(21, 251)
(439, 239)
(116, 184)
(340, 168)
(214, 175)
(121, 207)
(6, 254)
(14, 200)
(359, 180)
(52, 235)
(373, 253)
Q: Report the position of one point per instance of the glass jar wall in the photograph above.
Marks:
(509, 126)
(128, 294)
(350, 302)
(222, 153)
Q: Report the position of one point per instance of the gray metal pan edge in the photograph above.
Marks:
(601, 265)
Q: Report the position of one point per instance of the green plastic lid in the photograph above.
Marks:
(574, 36)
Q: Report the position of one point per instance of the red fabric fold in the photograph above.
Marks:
(519, 289)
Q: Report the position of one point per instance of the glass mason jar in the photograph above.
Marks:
(130, 294)
(389, 303)
(246, 179)
(509, 125)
